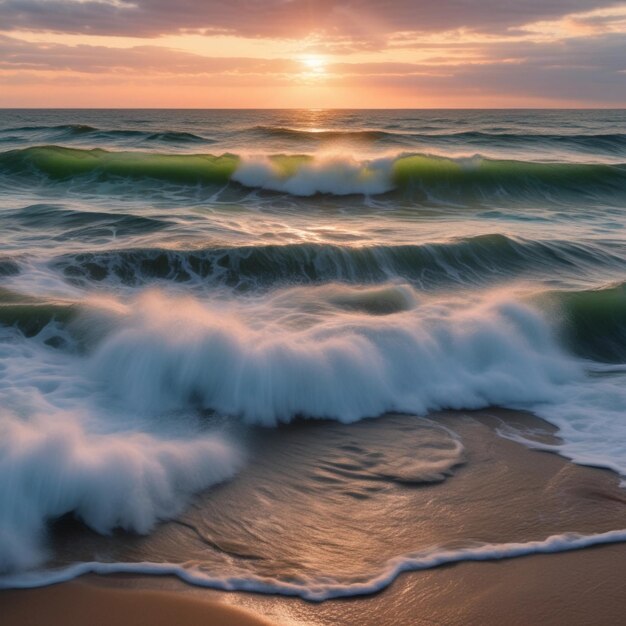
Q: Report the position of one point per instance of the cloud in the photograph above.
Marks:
(550, 50)
(16, 54)
(589, 69)
(361, 20)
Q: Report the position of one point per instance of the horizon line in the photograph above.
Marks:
(149, 108)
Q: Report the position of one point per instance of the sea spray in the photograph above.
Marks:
(176, 353)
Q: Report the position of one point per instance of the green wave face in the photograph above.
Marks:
(595, 322)
(473, 260)
(31, 315)
(65, 163)
(489, 172)
(408, 175)
(592, 323)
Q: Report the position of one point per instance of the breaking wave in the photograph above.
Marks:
(415, 175)
(126, 480)
(330, 352)
(473, 260)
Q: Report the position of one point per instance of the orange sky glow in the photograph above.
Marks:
(299, 53)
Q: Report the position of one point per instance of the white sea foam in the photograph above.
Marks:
(61, 453)
(323, 589)
(269, 363)
(101, 435)
(591, 424)
(334, 174)
(50, 467)
(263, 365)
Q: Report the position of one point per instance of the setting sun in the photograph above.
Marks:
(314, 64)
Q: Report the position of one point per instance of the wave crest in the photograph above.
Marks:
(414, 175)
(49, 468)
(471, 260)
(170, 354)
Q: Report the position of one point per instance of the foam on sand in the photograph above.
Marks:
(319, 591)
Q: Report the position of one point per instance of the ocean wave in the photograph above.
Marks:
(469, 261)
(331, 352)
(76, 129)
(65, 164)
(62, 452)
(589, 323)
(129, 480)
(63, 223)
(593, 322)
(83, 131)
(413, 175)
(283, 132)
(31, 315)
(600, 143)
(168, 353)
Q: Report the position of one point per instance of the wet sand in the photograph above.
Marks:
(502, 492)
(584, 588)
(82, 604)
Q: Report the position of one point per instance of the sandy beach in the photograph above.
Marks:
(539, 494)
(81, 604)
(579, 589)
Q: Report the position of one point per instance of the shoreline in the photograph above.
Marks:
(581, 586)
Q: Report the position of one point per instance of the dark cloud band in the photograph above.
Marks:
(360, 19)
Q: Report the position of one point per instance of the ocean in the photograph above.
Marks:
(203, 311)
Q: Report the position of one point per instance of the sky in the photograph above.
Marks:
(313, 53)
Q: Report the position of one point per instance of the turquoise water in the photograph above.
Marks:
(167, 276)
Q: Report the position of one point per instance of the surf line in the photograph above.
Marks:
(318, 591)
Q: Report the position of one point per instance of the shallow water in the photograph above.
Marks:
(172, 280)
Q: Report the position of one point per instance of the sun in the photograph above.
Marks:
(314, 64)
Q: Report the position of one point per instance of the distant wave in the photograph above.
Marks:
(412, 175)
(76, 129)
(83, 131)
(63, 223)
(603, 143)
(322, 134)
